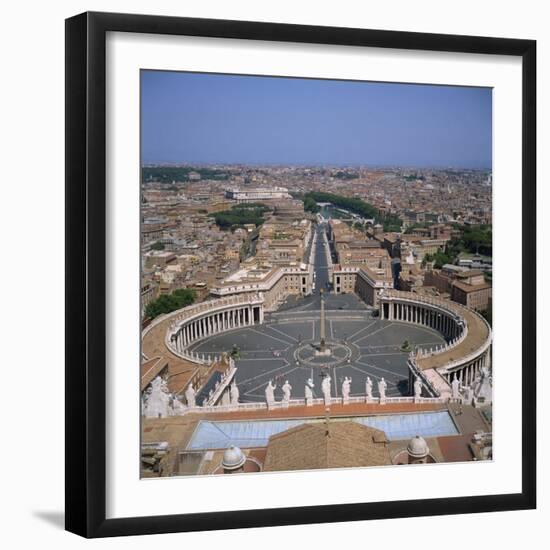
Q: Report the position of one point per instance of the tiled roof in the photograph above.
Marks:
(310, 446)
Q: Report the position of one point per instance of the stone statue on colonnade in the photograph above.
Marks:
(417, 388)
(286, 392)
(156, 403)
(346, 387)
(455, 388)
(269, 393)
(382, 385)
(483, 390)
(234, 394)
(190, 395)
(308, 391)
(368, 388)
(468, 395)
(177, 406)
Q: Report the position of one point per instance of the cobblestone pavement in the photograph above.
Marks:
(268, 351)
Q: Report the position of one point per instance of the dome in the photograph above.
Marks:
(233, 458)
(417, 447)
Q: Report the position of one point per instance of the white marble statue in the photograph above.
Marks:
(325, 387)
(287, 388)
(468, 395)
(190, 396)
(157, 403)
(234, 394)
(308, 391)
(144, 398)
(346, 387)
(226, 398)
(417, 388)
(178, 407)
(483, 390)
(382, 389)
(455, 388)
(368, 387)
(269, 393)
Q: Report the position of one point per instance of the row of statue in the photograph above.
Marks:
(325, 390)
(190, 395)
(191, 392)
(157, 401)
(481, 390)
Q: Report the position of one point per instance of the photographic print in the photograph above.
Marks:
(316, 274)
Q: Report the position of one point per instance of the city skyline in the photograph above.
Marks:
(194, 118)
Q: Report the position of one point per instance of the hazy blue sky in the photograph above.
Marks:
(190, 117)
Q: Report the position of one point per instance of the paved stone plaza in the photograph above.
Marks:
(283, 348)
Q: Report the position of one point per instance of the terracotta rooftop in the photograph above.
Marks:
(469, 273)
(471, 288)
(150, 369)
(343, 445)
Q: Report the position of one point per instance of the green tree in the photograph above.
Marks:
(391, 222)
(157, 246)
(406, 346)
(439, 259)
(310, 205)
(240, 215)
(170, 302)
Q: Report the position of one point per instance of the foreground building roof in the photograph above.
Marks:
(340, 445)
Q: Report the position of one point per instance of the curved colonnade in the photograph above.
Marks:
(468, 337)
(194, 323)
(465, 354)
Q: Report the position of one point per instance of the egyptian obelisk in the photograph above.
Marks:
(322, 345)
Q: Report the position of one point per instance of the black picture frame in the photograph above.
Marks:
(86, 273)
